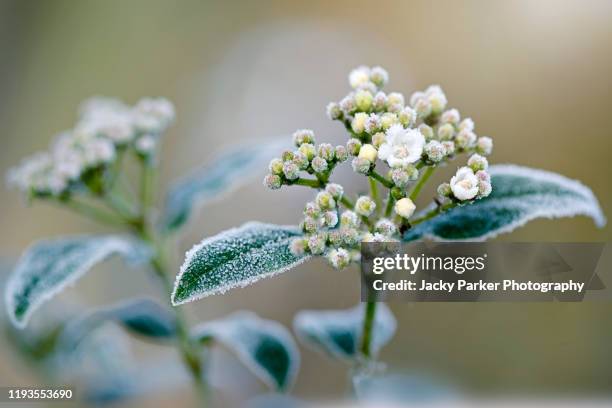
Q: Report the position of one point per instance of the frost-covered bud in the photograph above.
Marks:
(326, 151)
(341, 153)
(434, 151)
(272, 181)
(361, 165)
(377, 237)
(330, 219)
(353, 146)
(350, 236)
(416, 97)
(300, 160)
(365, 206)
(449, 147)
(316, 244)
(145, 145)
(349, 219)
(287, 155)
(437, 99)
(339, 258)
(334, 237)
(291, 170)
(298, 246)
(372, 124)
(388, 119)
(359, 76)
(276, 166)
(379, 76)
(477, 162)
(333, 111)
(153, 114)
(319, 164)
(400, 177)
(484, 183)
(310, 225)
(404, 207)
(483, 176)
(397, 108)
(451, 116)
(302, 136)
(407, 116)
(446, 132)
(336, 190)
(325, 201)
(426, 131)
(465, 139)
(311, 209)
(464, 184)
(484, 145)
(363, 100)
(467, 124)
(422, 108)
(379, 102)
(347, 104)
(368, 152)
(444, 190)
(395, 98)
(378, 139)
(308, 150)
(358, 123)
(98, 151)
(385, 227)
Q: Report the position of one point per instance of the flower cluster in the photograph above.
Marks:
(104, 129)
(410, 138)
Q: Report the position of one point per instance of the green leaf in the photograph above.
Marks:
(229, 171)
(48, 266)
(235, 258)
(263, 346)
(144, 317)
(337, 333)
(520, 194)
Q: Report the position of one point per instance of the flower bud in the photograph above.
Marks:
(385, 227)
(451, 116)
(422, 108)
(326, 151)
(484, 145)
(339, 258)
(484, 189)
(145, 145)
(319, 164)
(334, 237)
(378, 139)
(388, 119)
(358, 123)
(397, 193)
(395, 98)
(379, 102)
(276, 166)
(291, 170)
(308, 150)
(340, 153)
(359, 76)
(302, 136)
(350, 236)
(426, 131)
(310, 225)
(330, 218)
(400, 177)
(336, 190)
(464, 184)
(361, 165)
(363, 100)
(379, 76)
(465, 139)
(298, 246)
(349, 219)
(372, 124)
(272, 181)
(333, 111)
(353, 146)
(325, 201)
(435, 151)
(416, 97)
(365, 206)
(407, 116)
(467, 124)
(316, 244)
(449, 147)
(396, 108)
(404, 207)
(438, 103)
(444, 190)
(347, 104)
(300, 160)
(368, 152)
(477, 162)
(446, 132)
(311, 209)
(287, 155)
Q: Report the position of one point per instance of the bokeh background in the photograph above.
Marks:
(534, 75)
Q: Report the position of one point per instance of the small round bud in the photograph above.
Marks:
(319, 164)
(404, 207)
(379, 102)
(379, 76)
(444, 190)
(477, 162)
(368, 152)
(340, 153)
(336, 190)
(438, 103)
(287, 155)
(407, 116)
(484, 189)
(385, 227)
(449, 147)
(395, 98)
(330, 219)
(333, 111)
(347, 104)
(350, 236)
(397, 108)
(316, 244)
(361, 165)
(426, 131)
(465, 139)
(363, 100)
(400, 177)
(291, 170)
(484, 145)
(372, 124)
(451, 116)
(446, 132)
(353, 146)
(368, 86)
(334, 237)
(365, 206)
(358, 123)
(467, 124)
(339, 258)
(435, 151)
(276, 166)
(349, 219)
(416, 97)
(308, 150)
(310, 225)
(145, 145)
(378, 139)
(326, 151)
(388, 119)
(272, 181)
(302, 136)
(422, 108)
(359, 76)
(300, 160)
(483, 176)
(298, 246)
(325, 201)
(311, 209)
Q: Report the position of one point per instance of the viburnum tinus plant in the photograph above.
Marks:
(396, 144)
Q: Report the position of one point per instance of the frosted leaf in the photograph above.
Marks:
(264, 346)
(337, 333)
(49, 265)
(144, 317)
(520, 194)
(235, 258)
(227, 172)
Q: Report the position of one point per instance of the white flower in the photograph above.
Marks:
(358, 123)
(145, 144)
(435, 151)
(365, 206)
(451, 116)
(98, 151)
(368, 152)
(464, 184)
(477, 162)
(404, 207)
(402, 147)
(484, 145)
(359, 76)
(153, 114)
(379, 76)
(339, 258)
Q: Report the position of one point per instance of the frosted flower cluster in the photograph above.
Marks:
(82, 155)
(394, 141)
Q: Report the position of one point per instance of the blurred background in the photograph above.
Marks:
(534, 75)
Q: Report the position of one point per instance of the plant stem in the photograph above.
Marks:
(389, 206)
(433, 213)
(368, 326)
(347, 202)
(381, 179)
(375, 195)
(307, 182)
(94, 213)
(419, 185)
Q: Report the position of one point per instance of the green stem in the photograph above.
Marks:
(308, 183)
(375, 195)
(382, 180)
(419, 185)
(347, 202)
(390, 202)
(94, 213)
(433, 213)
(368, 326)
